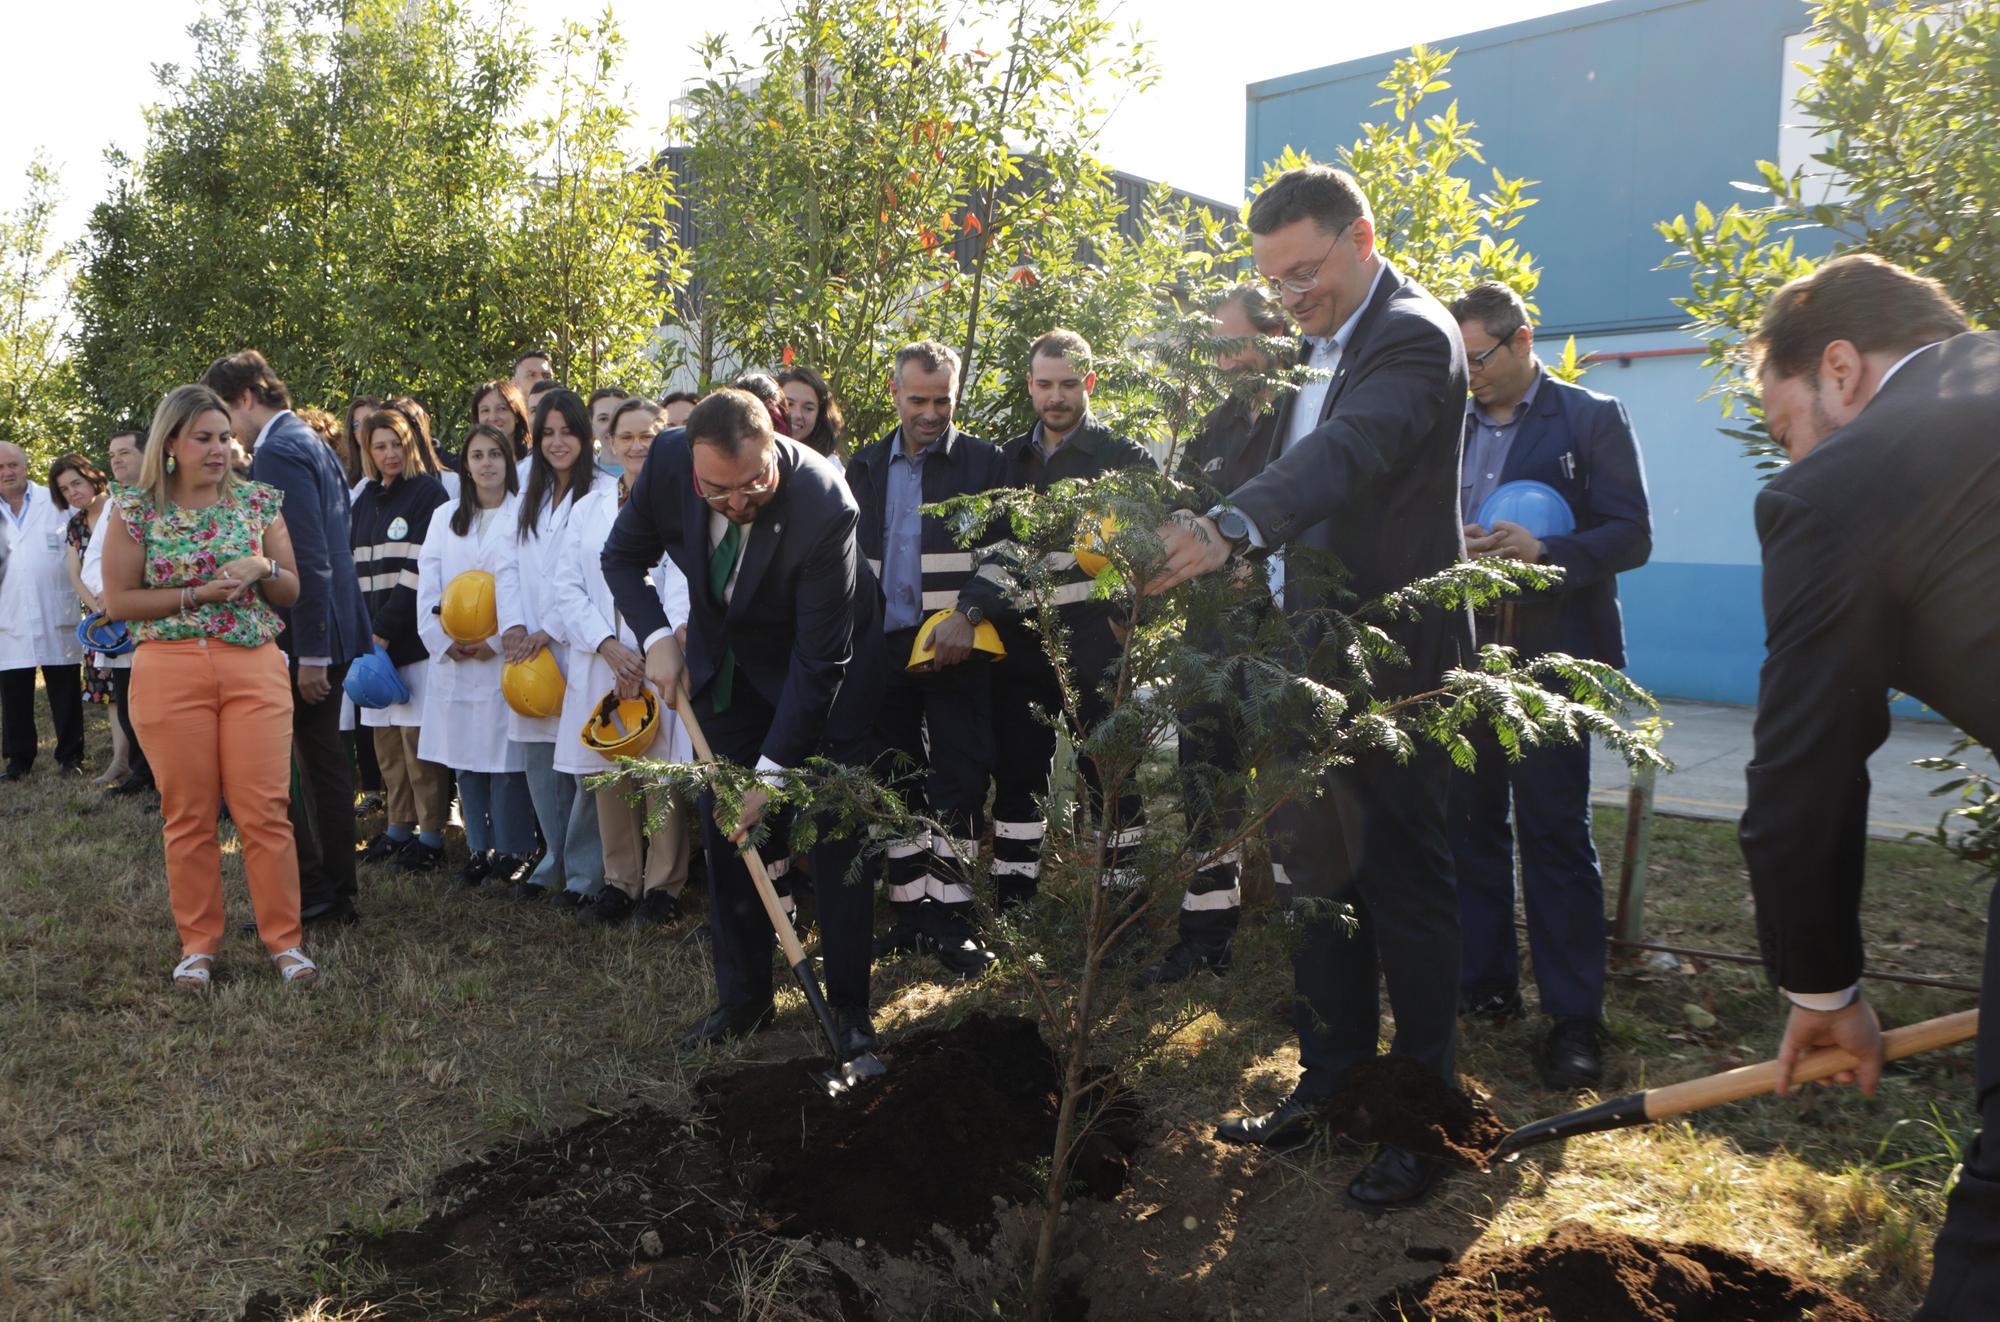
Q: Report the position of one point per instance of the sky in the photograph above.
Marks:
(1188, 129)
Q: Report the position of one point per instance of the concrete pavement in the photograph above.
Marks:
(1709, 745)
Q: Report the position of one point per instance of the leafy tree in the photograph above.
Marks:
(1905, 100)
(892, 173)
(38, 388)
(343, 183)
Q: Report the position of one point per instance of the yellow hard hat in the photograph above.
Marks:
(467, 612)
(923, 653)
(1090, 545)
(534, 687)
(623, 727)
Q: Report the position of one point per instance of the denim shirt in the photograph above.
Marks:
(903, 536)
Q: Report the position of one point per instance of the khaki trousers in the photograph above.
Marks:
(418, 792)
(636, 862)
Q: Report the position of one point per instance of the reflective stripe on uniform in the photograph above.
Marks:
(905, 848)
(943, 846)
(1014, 867)
(402, 578)
(942, 600)
(1059, 562)
(1278, 875)
(1069, 594)
(1126, 838)
(777, 870)
(949, 892)
(947, 562)
(1225, 897)
(1034, 830)
(907, 892)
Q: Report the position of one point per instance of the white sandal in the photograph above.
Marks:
(193, 972)
(300, 969)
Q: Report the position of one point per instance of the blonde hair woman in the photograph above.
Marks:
(195, 557)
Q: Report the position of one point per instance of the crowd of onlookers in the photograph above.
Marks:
(380, 516)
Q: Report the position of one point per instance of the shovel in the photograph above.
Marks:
(845, 1074)
(1731, 1085)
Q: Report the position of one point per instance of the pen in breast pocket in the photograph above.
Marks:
(1569, 466)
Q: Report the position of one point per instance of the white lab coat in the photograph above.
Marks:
(465, 716)
(588, 619)
(38, 605)
(535, 606)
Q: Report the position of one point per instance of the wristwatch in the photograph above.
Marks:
(1234, 528)
(973, 615)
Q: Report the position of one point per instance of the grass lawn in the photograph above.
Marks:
(163, 1155)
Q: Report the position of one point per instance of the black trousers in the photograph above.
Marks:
(1541, 804)
(740, 929)
(121, 692)
(18, 737)
(1211, 756)
(1024, 690)
(323, 808)
(1965, 1273)
(936, 732)
(1375, 841)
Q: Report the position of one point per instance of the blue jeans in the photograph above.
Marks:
(568, 816)
(498, 812)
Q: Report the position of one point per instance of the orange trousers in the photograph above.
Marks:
(221, 716)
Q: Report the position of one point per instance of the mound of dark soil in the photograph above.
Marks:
(620, 1217)
(961, 1119)
(1583, 1274)
(1393, 1099)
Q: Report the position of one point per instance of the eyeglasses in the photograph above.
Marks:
(1477, 361)
(763, 486)
(1305, 284)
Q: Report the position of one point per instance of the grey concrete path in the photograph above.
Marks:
(1709, 745)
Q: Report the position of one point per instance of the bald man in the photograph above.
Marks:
(38, 614)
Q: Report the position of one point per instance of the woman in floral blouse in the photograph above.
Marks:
(195, 558)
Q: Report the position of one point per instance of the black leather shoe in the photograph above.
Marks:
(70, 769)
(331, 913)
(611, 907)
(417, 856)
(1571, 1055)
(1395, 1180)
(383, 849)
(1291, 1125)
(902, 938)
(1496, 1009)
(965, 958)
(568, 901)
(13, 773)
(528, 892)
(726, 1023)
(132, 785)
(477, 869)
(659, 908)
(1182, 961)
(853, 1030)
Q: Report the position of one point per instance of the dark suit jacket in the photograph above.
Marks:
(330, 618)
(1376, 483)
(967, 467)
(1605, 486)
(1881, 552)
(804, 620)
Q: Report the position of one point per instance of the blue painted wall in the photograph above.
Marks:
(1628, 113)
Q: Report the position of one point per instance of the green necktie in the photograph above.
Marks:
(721, 564)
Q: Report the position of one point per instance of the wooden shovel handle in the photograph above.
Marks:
(1755, 1080)
(788, 938)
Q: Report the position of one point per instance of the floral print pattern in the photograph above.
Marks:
(186, 546)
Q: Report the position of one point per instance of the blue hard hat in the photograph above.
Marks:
(104, 637)
(1536, 506)
(372, 681)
